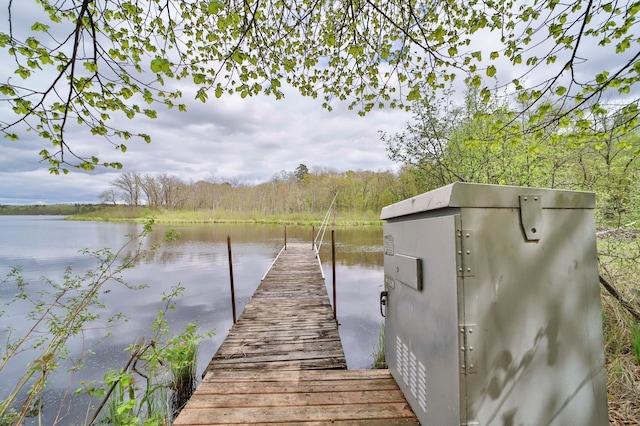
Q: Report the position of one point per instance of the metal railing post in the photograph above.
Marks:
(333, 264)
(233, 293)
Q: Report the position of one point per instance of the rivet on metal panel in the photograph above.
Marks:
(468, 364)
(467, 253)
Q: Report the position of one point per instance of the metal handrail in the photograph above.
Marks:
(323, 226)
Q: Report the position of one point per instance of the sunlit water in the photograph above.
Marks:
(45, 245)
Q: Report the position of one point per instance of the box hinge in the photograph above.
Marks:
(464, 251)
(468, 349)
(531, 216)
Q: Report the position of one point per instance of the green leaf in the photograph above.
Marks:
(491, 71)
(602, 77)
(414, 94)
(23, 72)
(158, 65)
(561, 90)
(33, 43)
(199, 78)
(202, 95)
(7, 90)
(39, 27)
(91, 67)
(214, 7)
(624, 90)
(151, 113)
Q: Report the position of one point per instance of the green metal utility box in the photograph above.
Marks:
(492, 306)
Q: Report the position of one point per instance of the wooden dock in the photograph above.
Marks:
(283, 362)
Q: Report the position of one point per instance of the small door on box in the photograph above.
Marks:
(422, 345)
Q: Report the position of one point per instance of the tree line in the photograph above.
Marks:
(304, 190)
(448, 140)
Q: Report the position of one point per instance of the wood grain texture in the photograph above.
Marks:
(288, 323)
(283, 362)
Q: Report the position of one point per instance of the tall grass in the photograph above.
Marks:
(379, 351)
(183, 376)
(123, 213)
(620, 265)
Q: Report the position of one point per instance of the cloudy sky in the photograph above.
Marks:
(227, 139)
(240, 140)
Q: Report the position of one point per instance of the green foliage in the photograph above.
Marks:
(379, 351)
(63, 311)
(91, 63)
(490, 142)
(618, 261)
(159, 378)
(635, 341)
(50, 209)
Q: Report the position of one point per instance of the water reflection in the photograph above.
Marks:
(198, 261)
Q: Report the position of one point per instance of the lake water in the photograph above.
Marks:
(45, 245)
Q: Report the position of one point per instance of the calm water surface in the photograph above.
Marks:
(45, 245)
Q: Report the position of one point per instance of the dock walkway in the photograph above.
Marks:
(283, 362)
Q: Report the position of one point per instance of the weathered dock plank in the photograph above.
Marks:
(344, 397)
(283, 362)
(288, 323)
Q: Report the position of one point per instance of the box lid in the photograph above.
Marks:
(476, 195)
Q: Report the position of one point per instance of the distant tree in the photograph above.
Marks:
(151, 188)
(173, 193)
(129, 184)
(301, 172)
(109, 196)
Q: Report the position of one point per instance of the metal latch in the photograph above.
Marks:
(468, 349)
(383, 303)
(531, 216)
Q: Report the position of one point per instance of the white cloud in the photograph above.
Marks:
(246, 140)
